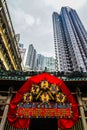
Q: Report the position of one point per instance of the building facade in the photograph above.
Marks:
(31, 57)
(10, 58)
(34, 60)
(49, 64)
(40, 61)
(70, 40)
(22, 51)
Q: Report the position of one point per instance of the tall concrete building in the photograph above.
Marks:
(40, 61)
(34, 60)
(22, 51)
(49, 64)
(70, 40)
(31, 57)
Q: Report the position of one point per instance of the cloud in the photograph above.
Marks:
(21, 17)
(33, 20)
(59, 3)
(29, 19)
(38, 21)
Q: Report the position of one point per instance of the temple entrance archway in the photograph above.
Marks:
(44, 97)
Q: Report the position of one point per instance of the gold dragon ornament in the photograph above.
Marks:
(60, 97)
(27, 97)
(45, 97)
(35, 89)
(44, 84)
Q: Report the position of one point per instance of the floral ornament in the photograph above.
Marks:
(27, 97)
(35, 89)
(54, 89)
(44, 84)
(60, 97)
(45, 97)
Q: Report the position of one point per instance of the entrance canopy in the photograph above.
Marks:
(43, 96)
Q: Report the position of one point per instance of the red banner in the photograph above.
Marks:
(44, 113)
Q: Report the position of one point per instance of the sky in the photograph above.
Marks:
(32, 19)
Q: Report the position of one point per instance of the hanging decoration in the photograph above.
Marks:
(44, 100)
(43, 96)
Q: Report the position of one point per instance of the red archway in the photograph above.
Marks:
(63, 123)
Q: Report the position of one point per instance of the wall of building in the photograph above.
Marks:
(70, 41)
(9, 52)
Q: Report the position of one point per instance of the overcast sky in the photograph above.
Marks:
(32, 19)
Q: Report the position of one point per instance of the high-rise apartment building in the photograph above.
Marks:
(40, 61)
(34, 60)
(31, 57)
(22, 51)
(70, 40)
(49, 64)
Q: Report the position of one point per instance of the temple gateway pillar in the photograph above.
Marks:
(4, 117)
(81, 108)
